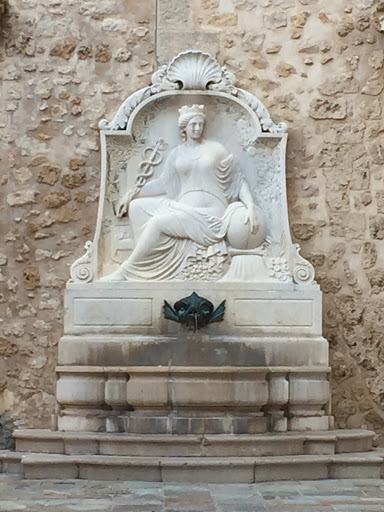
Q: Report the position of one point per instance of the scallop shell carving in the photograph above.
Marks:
(194, 70)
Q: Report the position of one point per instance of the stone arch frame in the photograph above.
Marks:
(198, 73)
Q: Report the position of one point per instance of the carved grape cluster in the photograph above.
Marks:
(202, 267)
(279, 269)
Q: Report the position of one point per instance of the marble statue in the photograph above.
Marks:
(189, 207)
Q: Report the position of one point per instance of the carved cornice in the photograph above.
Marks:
(192, 71)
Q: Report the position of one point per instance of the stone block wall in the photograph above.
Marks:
(318, 65)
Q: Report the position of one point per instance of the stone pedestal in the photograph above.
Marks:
(125, 368)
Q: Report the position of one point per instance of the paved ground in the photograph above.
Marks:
(90, 496)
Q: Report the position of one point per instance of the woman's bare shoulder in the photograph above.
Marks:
(217, 148)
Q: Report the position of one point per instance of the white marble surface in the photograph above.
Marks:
(193, 171)
(252, 309)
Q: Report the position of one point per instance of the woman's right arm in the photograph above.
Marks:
(152, 188)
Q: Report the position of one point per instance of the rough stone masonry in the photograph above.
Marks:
(66, 64)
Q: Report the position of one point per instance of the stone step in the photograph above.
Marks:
(10, 462)
(203, 470)
(259, 445)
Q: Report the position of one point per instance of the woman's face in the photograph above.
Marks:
(195, 128)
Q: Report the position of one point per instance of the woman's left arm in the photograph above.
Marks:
(246, 198)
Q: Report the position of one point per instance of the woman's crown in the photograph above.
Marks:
(195, 109)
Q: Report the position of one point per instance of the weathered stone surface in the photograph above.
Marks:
(317, 260)
(303, 231)
(376, 227)
(7, 426)
(299, 20)
(48, 174)
(64, 50)
(277, 19)
(344, 27)
(374, 85)
(102, 53)
(336, 253)
(85, 52)
(376, 280)
(253, 42)
(362, 23)
(171, 42)
(22, 197)
(344, 83)
(369, 255)
(309, 48)
(284, 69)
(74, 180)
(56, 199)
(122, 55)
(175, 15)
(273, 48)
(31, 278)
(7, 348)
(376, 59)
(330, 284)
(328, 108)
(76, 163)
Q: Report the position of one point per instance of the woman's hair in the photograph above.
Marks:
(186, 114)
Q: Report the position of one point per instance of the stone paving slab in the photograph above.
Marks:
(19, 495)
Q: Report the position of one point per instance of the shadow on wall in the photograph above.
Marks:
(4, 19)
(6, 428)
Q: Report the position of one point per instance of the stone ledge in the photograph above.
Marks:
(196, 469)
(290, 443)
(192, 369)
(10, 462)
(129, 350)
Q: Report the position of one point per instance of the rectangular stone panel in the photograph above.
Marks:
(137, 308)
(269, 313)
(112, 311)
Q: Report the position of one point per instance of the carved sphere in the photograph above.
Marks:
(239, 234)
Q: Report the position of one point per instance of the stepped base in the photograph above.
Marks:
(202, 470)
(199, 459)
(290, 443)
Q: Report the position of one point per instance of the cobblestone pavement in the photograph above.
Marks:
(91, 496)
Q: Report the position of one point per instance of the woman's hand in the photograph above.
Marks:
(252, 218)
(123, 204)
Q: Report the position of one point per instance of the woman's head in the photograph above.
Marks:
(191, 122)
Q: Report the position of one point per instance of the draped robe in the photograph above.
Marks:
(184, 225)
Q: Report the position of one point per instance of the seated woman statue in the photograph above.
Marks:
(188, 208)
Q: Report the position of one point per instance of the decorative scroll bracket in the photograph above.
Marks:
(82, 270)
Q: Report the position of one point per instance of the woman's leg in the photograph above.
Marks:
(153, 235)
(141, 210)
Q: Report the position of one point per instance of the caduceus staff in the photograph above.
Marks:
(152, 157)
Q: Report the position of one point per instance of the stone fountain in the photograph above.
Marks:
(193, 337)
